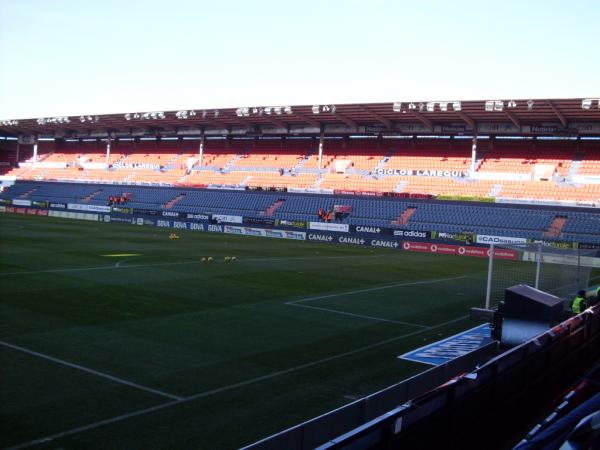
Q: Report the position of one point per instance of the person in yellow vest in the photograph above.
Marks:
(578, 304)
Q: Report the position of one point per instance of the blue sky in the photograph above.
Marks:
(67, 57)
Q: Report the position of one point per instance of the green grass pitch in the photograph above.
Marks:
(113, 336)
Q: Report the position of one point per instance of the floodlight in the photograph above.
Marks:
(586, 103)
(512, 104)
(315, 109)
(268, 111)
(498, 105)
(287, 109)
(421, 107)
(397, 107)
(443, 106)
(430, 106)
(277, 110)
(333, 108)
(529, 104)
(456, 106)
(192, 113)
(411, 106)
(489, 105)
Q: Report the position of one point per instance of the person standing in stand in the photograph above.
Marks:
(578, 305)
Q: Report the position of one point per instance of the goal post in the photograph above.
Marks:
(560, 271)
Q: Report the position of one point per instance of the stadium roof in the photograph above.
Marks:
(575, 116)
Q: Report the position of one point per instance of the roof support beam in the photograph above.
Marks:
(218, 123)
(558, 113)
(308, 120)
(469, 121)
(514, 119)
(277, 122)
(351, 123)
(424, 120)
(386, 122)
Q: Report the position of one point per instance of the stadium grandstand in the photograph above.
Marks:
(412, 188)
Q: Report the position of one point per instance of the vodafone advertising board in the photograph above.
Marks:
(461, 250)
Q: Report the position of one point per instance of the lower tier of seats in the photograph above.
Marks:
(519, 221)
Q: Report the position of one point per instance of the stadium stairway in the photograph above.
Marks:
(405, 216)
(173, 201)
(400, 186)
(92, 195)
(496, 189)
(28, 193)
(381, 164)
(231, 163)
(556, 227)
(303, 161)
(270, 211)
(574, 166)
(318, 182)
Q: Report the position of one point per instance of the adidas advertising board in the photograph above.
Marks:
(413, 234)
(192, 216)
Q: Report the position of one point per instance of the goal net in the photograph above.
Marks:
(558, 271)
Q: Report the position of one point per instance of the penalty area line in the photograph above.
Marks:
(299, 303)
(376, 288)
(361, 316)
(230, 387)
(90, 371)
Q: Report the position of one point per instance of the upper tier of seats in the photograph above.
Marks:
(511, 169)
(522, 157)
(490, 219)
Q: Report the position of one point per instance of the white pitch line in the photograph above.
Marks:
(208, 393)
(91, 426)
(92, 371)
(377, 288)
(362, 316)
(84, 269)
(134, 266)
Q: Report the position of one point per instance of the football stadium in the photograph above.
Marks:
(403, 274)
